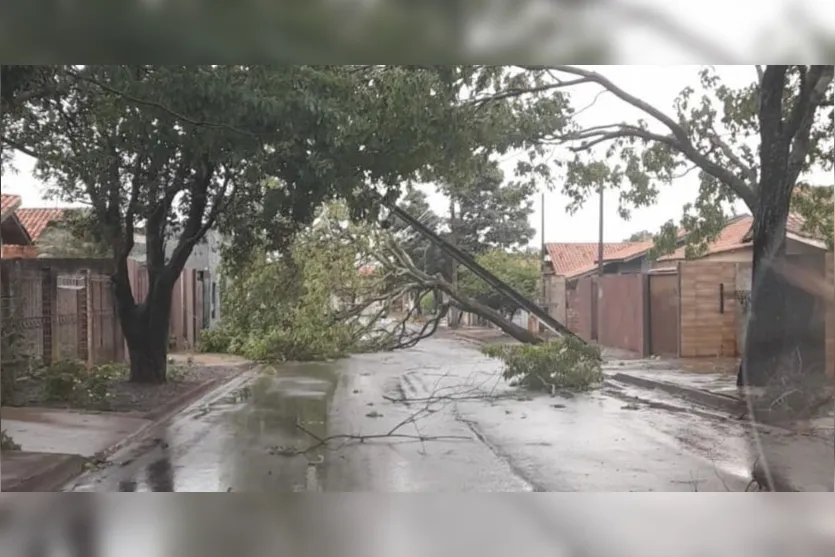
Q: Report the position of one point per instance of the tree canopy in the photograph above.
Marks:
(719, 131)
(253, 150)
(487, 212)
(519, 270)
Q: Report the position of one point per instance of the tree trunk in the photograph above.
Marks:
(148, 350)
(766, 330)
(146, 329)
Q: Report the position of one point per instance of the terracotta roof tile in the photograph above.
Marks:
(35, 221)
(568, 259)
(731, 238)
(8, 204)
(630, 250)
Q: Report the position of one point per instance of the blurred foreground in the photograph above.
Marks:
(368, 526)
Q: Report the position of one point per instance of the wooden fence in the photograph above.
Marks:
(55, 309)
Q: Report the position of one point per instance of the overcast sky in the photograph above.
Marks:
(741, 29)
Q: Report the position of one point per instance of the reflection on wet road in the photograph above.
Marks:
(265, 432)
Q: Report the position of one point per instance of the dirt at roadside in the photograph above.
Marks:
(128, 397)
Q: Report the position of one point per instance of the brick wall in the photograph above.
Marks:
(19, 252)
(705, 329)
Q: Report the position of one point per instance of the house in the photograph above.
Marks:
(693, 307)
(565, 262)
(734, 242)
(16, 241)
(205, 258)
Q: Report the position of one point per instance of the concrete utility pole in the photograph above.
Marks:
(542, 249)
(600, 235)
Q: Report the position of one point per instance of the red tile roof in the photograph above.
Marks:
(731, 238)
(630, 251)
(8, 204)
(35, 221)
(794, 225)
(737, 235)
(569, 259)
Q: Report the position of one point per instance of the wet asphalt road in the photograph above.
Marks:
(246, 438)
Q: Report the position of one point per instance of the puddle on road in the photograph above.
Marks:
(254, 438)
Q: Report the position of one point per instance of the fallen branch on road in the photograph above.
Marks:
(323, 442)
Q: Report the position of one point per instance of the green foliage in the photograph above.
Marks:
(74, 235)
(641, 236)
(71, 381)
(563, 364)
(425, 255)
(716, 129)
(814, 203)
(286, 308)
(486, 212)
(7, 443)
(520, 270)
(428, 304)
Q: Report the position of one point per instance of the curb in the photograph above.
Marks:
(65, 468)
(171, 409)
(716, 401)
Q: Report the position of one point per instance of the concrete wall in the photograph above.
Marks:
(743, 283)
(555, 296)
(621, 311)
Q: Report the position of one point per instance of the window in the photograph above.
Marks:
(214, 299)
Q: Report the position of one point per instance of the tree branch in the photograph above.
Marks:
(678, 140)
(819, 80)
(191, 233)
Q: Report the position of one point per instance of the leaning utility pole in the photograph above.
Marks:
(470, 263)
(453, 315)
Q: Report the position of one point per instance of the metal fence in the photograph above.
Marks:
(62, 310)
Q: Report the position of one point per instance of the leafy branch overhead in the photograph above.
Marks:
(721, 132)
(173, 151)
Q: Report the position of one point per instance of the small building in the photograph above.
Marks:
(14, 238)
(566, 262)
(694, 307)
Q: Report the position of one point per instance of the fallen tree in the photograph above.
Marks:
(400, 275)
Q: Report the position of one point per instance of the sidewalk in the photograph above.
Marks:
(57, 444)
(478, 335)
(800, 459)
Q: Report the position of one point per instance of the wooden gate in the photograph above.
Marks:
(663, 314)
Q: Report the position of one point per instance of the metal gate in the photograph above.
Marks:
(664, 297)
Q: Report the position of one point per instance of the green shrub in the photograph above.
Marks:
(62, 379)
(7, 443)
(95, 388)
(214, 341)
(71, 381)
(566, 363)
